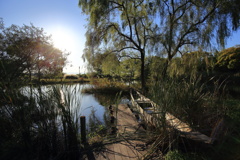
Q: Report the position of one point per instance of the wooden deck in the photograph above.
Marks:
(125, 145)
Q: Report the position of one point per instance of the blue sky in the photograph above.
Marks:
(64, 20)
(60, 18)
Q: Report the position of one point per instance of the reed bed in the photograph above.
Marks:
(38, 124)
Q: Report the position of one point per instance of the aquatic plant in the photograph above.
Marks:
(38, 124)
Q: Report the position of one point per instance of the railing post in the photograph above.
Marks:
(83, 129)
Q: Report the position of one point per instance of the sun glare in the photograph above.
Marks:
(63, 39)
(66, 38)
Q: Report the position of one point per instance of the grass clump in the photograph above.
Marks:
(175, 155)
(107, 86)
(200, 104)
(191, 100)
(60, 81)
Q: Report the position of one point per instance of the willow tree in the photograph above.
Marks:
(186, 25)
(175, 26)
(122, 26)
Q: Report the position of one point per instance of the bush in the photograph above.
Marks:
(228, 60)
(175, 155)
(71, 77)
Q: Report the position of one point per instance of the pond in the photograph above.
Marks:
(93, 106)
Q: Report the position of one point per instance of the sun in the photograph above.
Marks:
(63, 39)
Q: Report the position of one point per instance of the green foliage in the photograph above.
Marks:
(110, 65)
(201, 104)
(103, 64)
(150, 27)
(178, 155)
(175, 155)
(71, 77)
(107, 86)
(193, 63)
(228, 60)
(234, 109)
(156, 65)
(130, 68)
(121, 26)
(186, 98)
(27, 50)
(94, 61)
(232, 9)
(192, 23)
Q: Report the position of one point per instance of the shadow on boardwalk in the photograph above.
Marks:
(126, 144)
(124, 149)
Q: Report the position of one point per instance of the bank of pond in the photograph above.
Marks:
(45, 121)
(81, 102)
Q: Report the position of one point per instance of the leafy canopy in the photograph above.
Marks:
(26, 51)
(158, 27)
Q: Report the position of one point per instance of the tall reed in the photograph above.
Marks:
(36, 124)
(194, 101)
(191, 100)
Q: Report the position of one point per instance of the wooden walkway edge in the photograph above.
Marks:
(183, 128)
(125, 147)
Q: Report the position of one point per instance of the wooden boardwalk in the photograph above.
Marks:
(125, 145)
(183, 128)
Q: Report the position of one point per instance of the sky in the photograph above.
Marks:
(60, 18)
(64, 21)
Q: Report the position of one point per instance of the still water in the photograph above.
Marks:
(92, 106)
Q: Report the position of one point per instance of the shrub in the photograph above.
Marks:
(228, 60)
(175, 155)
(71, 77)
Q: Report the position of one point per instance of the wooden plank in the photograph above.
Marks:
(177, 124)
(133, 150)
(126, 121)
(129, 151)
(110, 152)
(100, 156)
(107, 154)
(126, 149)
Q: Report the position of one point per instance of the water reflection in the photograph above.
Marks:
(105, 99)
(92, 106)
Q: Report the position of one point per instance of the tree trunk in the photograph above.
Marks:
(165, 67)
(143, 80)
(164, 72)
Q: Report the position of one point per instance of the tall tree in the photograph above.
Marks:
(175, 26)
(123, 26)
(28, 50)
(130, 69)
(185, 24)
(48, 60)
(111, 65)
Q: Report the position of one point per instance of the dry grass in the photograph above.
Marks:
(107, 86)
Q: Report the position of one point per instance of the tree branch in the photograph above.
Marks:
(125, 36)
